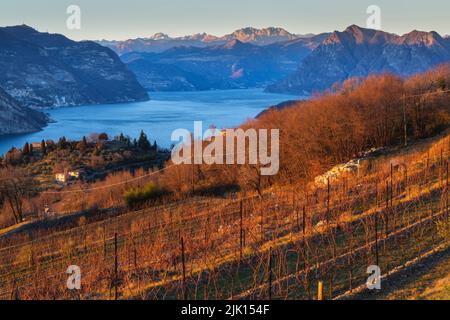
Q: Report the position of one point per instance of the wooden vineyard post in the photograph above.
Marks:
(184, 269)
(104, 242)
(116, 267)
(193, 176)
(241, 233)
(406, 179)
(376, 240)
(294, 209)
(206, 230)
(293, 199)
(376, 195)
(135, 255)
(441, 171)
(386, 222)
(446, 177)
(262, 225)
(405, 122)
(15, 290)
(304, 221)
(328, 200)
(392, 185)
(320, 291)
(270, 273)
(446, 192)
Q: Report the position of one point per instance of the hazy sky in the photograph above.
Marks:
(122, 19)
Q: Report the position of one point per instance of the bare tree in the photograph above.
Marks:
(15, 186)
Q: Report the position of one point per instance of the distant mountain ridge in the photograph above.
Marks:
(261, 36)
(284, 62)
(15, 118)
(230, 65)
(50, 70)
(160, 42)
(359, 52)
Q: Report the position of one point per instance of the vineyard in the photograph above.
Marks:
(275, 246)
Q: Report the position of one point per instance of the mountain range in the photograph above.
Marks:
(358, 52)
(283, 62)
(160, 42)
(49, 70)
(234, 64)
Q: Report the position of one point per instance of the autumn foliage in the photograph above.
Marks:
(359, 114)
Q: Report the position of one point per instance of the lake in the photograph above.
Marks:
(165, 112)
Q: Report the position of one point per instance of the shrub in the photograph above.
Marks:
(139, 196)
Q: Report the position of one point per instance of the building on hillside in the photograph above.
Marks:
(68, 175)
(36, 145)
(74, 174)
(61, 177)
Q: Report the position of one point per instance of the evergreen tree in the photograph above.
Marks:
(62, 143)
(143, 142)
(43, 148)
(83, 144)
(26, 149)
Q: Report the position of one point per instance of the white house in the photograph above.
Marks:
(64, 177)
(61, 177)
(74, 174)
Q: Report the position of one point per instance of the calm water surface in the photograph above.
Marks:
(158, 117)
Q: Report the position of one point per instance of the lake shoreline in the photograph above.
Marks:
(158, 117)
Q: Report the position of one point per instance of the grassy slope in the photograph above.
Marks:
(430, 280)
(409, 247)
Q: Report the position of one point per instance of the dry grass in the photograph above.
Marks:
(430, 280)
